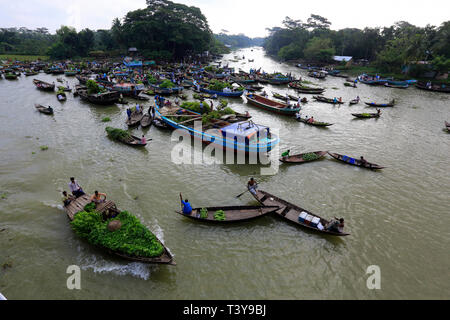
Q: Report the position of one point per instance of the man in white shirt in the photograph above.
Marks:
(75, 188)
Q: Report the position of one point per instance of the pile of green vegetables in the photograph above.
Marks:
(219, 215)
(133, 238)
(204, 213)
(118, 134)
(93, 87)
(166, 84)
(366, 115)
(217, 85)
(195, 106)
(310, 156)
(223, 103)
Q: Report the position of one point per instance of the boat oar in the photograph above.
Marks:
(242, 193)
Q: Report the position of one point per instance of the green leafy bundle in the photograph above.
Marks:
(204, 213)
(366, 115)
(167, 84)
(133, 238)
(310, 156)
(93, 87)
(219, 215)
(195, 106)
(118, 134)
(217, 85)
(223, 103)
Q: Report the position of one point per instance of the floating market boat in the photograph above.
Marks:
(436, 87)
(327, 100)
(61, 96)
(44, 86)
(105, 98)
(244, 136)
(128, 139)
(318, 74)
(271, 105)
(146, 121)
(70, 73)
(230, 214)
(354, 101)
(355, 162)
(135, 119)
(373, 104)
(296, 214)
(31, 73)
(305, 89)
(397, 86)
(109, 207)
(315, 123)
(366, 115)
(304, 157)
(11, 76)
(166, 91)
(45, 110)
(279, 96)
(233, 94)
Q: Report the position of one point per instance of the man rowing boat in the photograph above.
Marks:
(252, 185)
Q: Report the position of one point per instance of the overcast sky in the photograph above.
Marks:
(250, 17)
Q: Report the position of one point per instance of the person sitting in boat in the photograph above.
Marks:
(67, 199)
(187, 208)
(297, 115)
(75, 188)
(378, 111)
(285, 154)
(50, 109)
(177, 101)
(264, 94)
(214, 96)
(335, 100)
(138, 109)
(340, 99)
(311, 120)
(252, 185)
(143, 140)
(364, 162)
(357, 98)
(337, 225)
(97, 197)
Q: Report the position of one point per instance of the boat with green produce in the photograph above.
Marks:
(118, 233)
(304, 157)
(124, 137)
(314, 123)
(327, 100)
(229, 214)
(366, 115)
(271, 105)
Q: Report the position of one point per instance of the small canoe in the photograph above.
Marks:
(42, 85)
(293, 213)
(146, 121)
(327, 100)
(354, 101)
(366, 115)
(78, 205)
(305, 157)
(232, 214)
(355, 162)
(315, 123)
(347, 84)
(134, 142)
(135, 119)
(61, 96)
(373, 104)
(43, 109)
(161, 124)
(397, 86)
(279, 96)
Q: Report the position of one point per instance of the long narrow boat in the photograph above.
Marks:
(42, 85)
(366, 115)
(78, 205)
(135, 119)
(280, 97)
(61, 96)
(235, 94)
(232, 214)
(304, 157)
(397, 86)
(305, 89)
(355, 162)
(43, 109)
(374, 104)
(354, 101)
(271, 105)
(315, 123)
(436, 87)
(295, 214)
(106, 98)
(243, 136)
(327, 100)
(146, 121)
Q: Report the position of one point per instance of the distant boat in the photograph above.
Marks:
(271, 105)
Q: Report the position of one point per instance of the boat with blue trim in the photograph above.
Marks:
(242, 136)
(230, 94)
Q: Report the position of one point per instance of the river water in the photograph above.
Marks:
(398, 218)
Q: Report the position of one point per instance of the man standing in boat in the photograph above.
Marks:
(252, 185)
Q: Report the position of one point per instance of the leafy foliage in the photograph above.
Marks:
(219, 215)
(93, 87)
(217, 85)
(118, 134)
(167, 84)
(310, 156)
(132, 238)
(203, 213)
(195, 106)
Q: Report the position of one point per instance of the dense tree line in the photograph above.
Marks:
(25, 41)
(389, 48)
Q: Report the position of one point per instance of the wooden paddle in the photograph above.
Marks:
(242, 193)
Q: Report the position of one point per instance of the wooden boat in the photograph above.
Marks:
(106, 98)
(436, 87)
(78, 205)
(373, 104)
(299, 157)
(42, 85)
(317, 75)
(305, 89)
(279, 96)
(354, 101)
(355, 162)
(315, 123)
(292, 212)
(347, 84)
(234, 94)
(31, 73)
(135, 119)
(232, 214)
(327, 100)
(396, 86)
(294, 98)
(366, 115)
(157, 122)
(43, 109)
(146, 121)
(61, 96)
(271, 105)
(11, 76)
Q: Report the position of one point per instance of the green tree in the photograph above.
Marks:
(319, 49)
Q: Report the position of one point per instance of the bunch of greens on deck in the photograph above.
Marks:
(219, 215)
(167, 84)
(310, 156)
(203, 213)
(118, 134)
(93, 87)
(133, 238)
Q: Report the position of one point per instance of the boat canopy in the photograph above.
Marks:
(245, 130)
